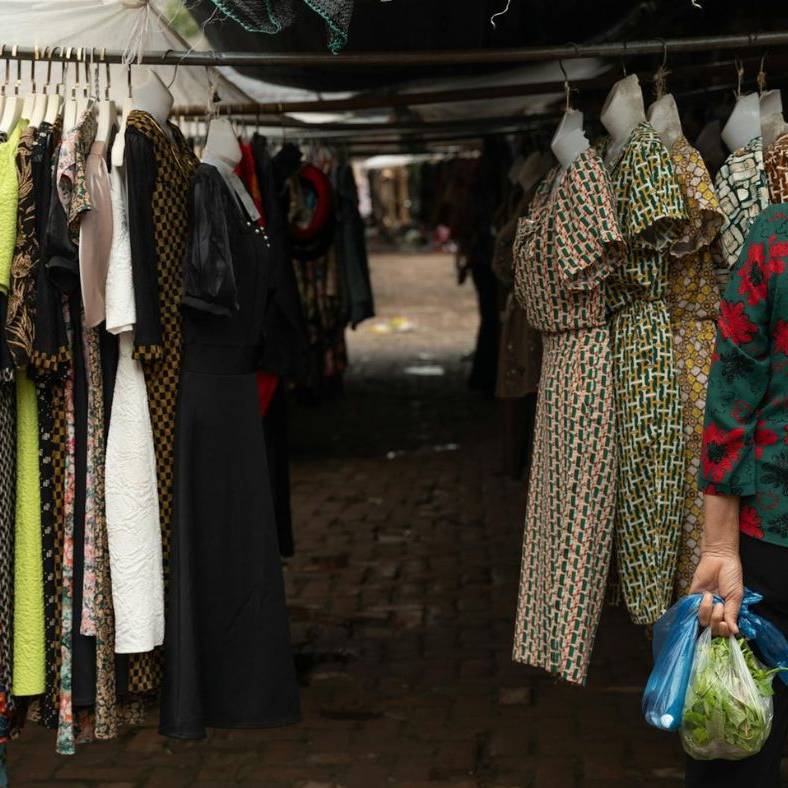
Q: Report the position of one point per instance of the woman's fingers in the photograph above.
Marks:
(718, 625)
(706, 606)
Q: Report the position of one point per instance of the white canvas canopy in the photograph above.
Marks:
(125, 25)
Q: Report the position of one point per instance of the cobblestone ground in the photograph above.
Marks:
(402, 599)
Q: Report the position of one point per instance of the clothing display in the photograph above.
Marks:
(562, 253)
(116, 381)
(652, 218)
(744, 451)
(692, 299)
(228, 660)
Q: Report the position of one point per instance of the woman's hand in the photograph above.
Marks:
(719, 573)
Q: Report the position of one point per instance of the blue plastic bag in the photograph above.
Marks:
(675, 638)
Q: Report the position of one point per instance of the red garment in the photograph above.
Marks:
(247, 172)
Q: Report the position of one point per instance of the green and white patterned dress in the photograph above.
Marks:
(652, 218)
(561, 256)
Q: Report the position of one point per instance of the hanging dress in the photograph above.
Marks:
(650, 491)
(47, 368)
(743, 192)
(561, 256)
(228, 656)
(131, 494)
(159, 169)
(775, 162)
(28, 626)
(8, 232)
(693, 301)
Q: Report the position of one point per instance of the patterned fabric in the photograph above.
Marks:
(693, 303)
(775, 162)
(101, 621)
(71, 174)
(65, 731)
(51, 420)
(20, 320)
(648, 400)
(175, 165)
(745, 439)
(743, 191)
(561, 259)
(7, 486)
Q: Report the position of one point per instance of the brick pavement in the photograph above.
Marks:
(402, 598)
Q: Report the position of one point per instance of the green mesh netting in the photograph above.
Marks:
(273, 16)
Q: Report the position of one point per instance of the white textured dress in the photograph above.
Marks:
(132, 498)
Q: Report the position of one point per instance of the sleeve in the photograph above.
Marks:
(587, 233)
(740, 371)
(62, 254)
(140, 166)
(651, 207)
(208, 277)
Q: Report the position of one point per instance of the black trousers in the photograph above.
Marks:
(765, 571)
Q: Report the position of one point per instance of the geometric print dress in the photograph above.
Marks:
(561, 255)
(693, 304)
(650, 489)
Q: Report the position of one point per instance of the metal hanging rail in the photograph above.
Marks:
(414, 59)
(394, 100)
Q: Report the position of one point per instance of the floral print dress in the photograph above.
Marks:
(693, 301)
(745, 437)
(652, 217)
(561, 257)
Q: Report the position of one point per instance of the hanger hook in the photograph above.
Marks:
(18, 82)
(739, 65)
(567, 87)
(36, 52)
(128, 78)
(7, 67)
(174, 73)
(761, 78)
(108, 74)
(660, 76)
(623, 59)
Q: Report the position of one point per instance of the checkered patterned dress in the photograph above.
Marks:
(561, 255)
(693, 303)
(652, 217)
(175, 165)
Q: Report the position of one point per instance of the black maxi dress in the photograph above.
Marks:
(228, 660)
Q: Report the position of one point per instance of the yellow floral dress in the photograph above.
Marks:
(693, 301)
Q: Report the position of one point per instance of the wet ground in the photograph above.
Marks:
(402, 596)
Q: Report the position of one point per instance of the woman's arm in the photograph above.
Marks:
(719, 571)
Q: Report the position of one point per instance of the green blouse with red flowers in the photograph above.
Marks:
(745, 436)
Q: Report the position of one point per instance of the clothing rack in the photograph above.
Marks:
(570, 51)
(395, 100)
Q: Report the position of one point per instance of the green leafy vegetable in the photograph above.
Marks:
(728, 707)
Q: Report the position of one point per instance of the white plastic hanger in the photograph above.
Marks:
(105, 107)
(39, 98)
(70, 108)
(4, 83)
(12, 109)
(54, 100)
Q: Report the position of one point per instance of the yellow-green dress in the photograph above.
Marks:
(693, 302)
